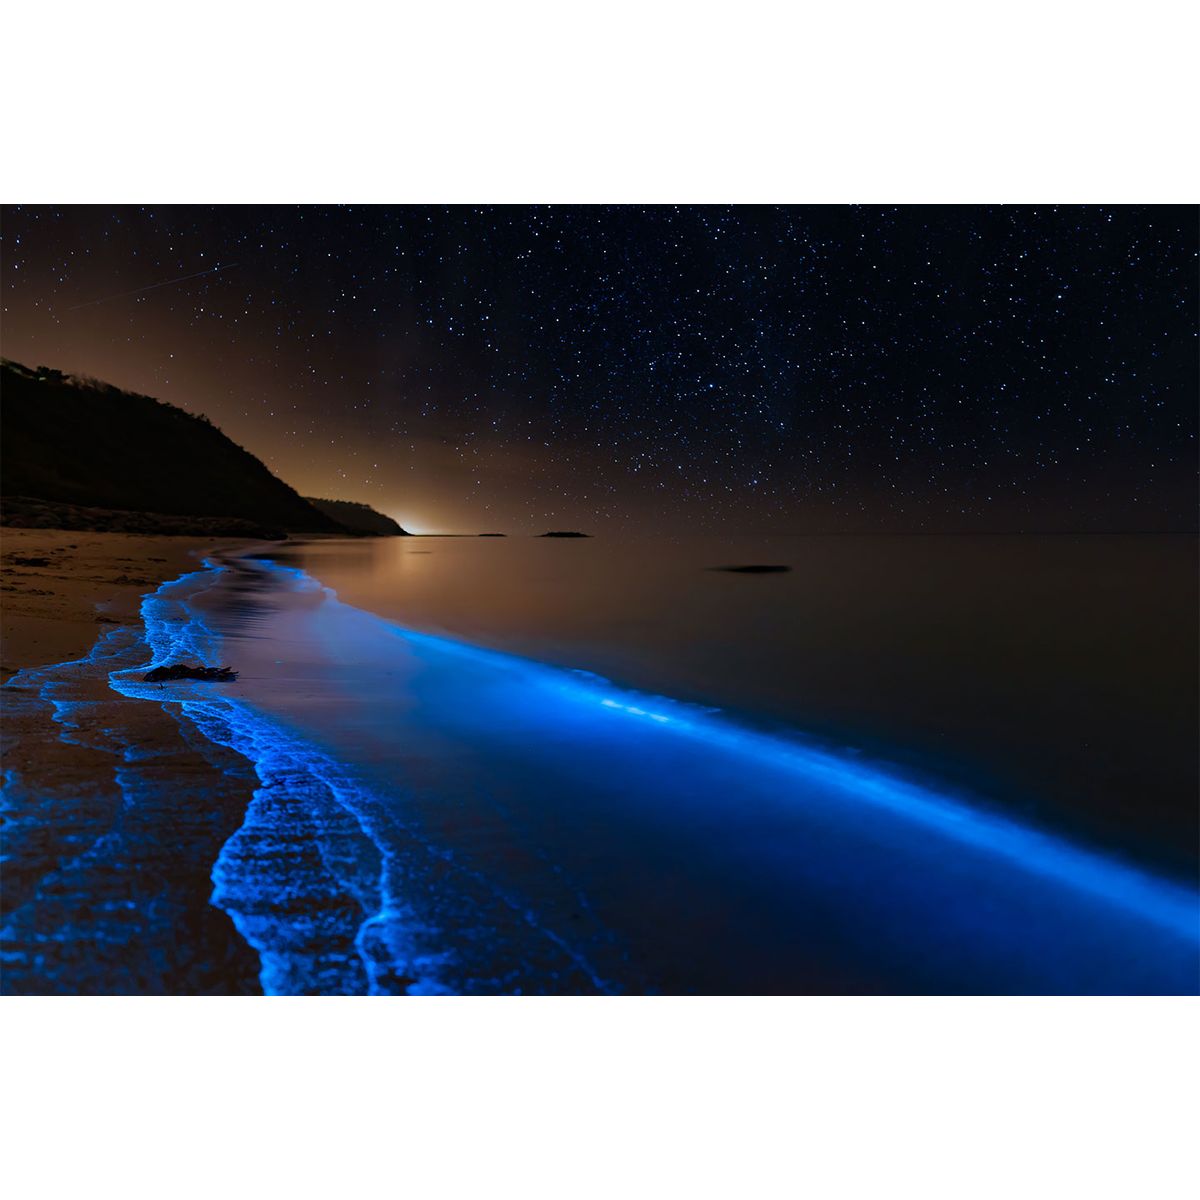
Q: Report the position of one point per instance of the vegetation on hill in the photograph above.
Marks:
(80, 443)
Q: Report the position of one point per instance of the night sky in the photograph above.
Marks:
(663, 369)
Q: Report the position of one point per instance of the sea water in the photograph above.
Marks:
(467, 804)
(494, 766)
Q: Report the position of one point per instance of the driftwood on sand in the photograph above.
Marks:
(184, 671)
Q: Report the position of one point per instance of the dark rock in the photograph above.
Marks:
(564, 533)
(26, 560)
(184, 671)
(493, 535)
(755, 569)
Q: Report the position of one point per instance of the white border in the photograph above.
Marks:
(623, 102)
(627, 101)
(832, 1097)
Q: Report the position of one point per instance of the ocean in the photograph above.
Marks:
(905, 765)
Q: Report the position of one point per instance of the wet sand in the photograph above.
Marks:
(113, 814)
(59, 588)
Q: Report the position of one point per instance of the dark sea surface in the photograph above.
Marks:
(907, 764)
(1055, 675)
(931, 765)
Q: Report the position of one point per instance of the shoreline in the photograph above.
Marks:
(110, 808)
(415, 703)
(60, 589)
(123, 821)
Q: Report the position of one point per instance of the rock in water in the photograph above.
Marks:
(184, 671)
(755, 569)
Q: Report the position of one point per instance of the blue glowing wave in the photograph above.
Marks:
(312, 880)
(344, 881)
(106, 859)
(278, 877)
(463, 690)
(1172, 907)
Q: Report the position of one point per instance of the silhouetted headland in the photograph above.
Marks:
(79, 442)
(358, 518)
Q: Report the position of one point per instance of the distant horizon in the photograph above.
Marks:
(412, 528)
(816, 533)
(804, 368)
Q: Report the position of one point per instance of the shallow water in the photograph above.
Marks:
(1054, 675)
(437, 816)
(437, 813)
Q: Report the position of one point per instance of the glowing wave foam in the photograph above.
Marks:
(175, 632)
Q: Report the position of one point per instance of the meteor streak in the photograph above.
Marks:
(151, 287)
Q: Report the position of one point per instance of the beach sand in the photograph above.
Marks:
(113, 814)
(59, 588)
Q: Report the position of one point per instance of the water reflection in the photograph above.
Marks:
(1056, 674)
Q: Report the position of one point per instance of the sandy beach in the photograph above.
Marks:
(61, 587)
(113, 816)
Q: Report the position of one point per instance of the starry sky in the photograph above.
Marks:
(660, 369)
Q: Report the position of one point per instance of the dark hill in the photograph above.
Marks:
(358, 518)
(80, 443)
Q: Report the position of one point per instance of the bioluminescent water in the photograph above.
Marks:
(419, 814)
(1055, 676)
